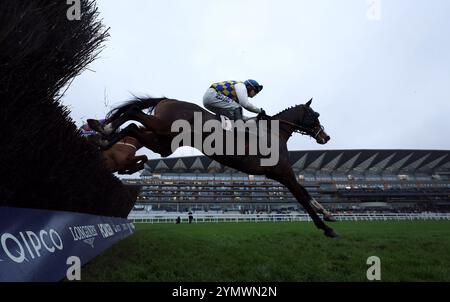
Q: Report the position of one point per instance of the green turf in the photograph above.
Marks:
(409, 251)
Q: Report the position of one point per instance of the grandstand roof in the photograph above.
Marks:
(327, 161)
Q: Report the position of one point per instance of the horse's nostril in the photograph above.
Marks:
(328, 137)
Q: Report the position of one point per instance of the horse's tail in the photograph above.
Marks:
(138, 103)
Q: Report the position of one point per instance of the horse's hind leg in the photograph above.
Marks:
(135, 164)
(150, 122)
(111, 139)
(141, 159)
(140, 162)
(132, 170)
(149, 139)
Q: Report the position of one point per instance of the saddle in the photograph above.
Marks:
(226, 120)
(251, 125)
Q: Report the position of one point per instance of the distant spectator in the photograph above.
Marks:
(178, 221)
(191, 217)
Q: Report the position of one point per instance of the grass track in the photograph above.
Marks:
(284, 251)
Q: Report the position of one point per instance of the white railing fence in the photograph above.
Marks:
(203, 218)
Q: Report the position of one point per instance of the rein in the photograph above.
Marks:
(297, 128)
(302, 130)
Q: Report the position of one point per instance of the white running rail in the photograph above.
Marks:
(201, 218)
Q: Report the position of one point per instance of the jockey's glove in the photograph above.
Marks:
(262, 114)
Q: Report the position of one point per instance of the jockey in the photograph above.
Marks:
(228, 98)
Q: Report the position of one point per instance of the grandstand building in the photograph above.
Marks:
(342, 180)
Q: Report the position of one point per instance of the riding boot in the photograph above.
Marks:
(224, 112)
(238, 114)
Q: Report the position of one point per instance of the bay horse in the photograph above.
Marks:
(158, 137)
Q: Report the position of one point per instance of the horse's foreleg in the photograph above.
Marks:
(288, 175)
(327, 216)
(304, 199)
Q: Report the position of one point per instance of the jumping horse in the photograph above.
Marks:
(158, 136)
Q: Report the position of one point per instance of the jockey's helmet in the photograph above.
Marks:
(254, 84)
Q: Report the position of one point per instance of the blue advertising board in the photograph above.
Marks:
(37, 245)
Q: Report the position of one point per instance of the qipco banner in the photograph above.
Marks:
(41, 245)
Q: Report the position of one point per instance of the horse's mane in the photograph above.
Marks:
(287, 109)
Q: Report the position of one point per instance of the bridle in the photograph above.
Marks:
(298, 128)
(303, 130)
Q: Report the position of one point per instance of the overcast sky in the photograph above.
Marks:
(376, 83)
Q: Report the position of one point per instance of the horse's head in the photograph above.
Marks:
(311, 124)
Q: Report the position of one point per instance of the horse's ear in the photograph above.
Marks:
(309, 103)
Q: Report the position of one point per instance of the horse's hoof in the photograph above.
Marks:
(329, 218)
(330, 233)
